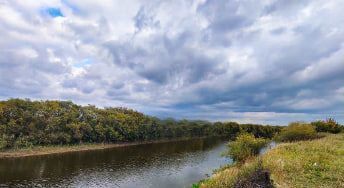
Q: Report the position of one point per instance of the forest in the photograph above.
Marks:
(26, 123)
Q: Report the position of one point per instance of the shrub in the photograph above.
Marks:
(245, 146)
(23, 142)
(297, 131)
(330, 125)
(6, 142)
(3, 143)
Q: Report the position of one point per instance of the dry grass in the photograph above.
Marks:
(227, 177)
(314, 163)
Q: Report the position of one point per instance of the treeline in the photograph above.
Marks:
(25, 123)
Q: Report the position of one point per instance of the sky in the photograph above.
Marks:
(268, 61)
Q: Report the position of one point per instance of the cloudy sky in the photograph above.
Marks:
(269, 61)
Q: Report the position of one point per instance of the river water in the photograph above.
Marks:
(160, 165)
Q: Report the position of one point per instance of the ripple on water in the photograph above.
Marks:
(173, 164)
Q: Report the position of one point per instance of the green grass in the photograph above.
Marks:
(313, 163)
(316, 163)
(227, 177)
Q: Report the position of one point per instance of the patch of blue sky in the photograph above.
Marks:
(54, 12)
(83, 63)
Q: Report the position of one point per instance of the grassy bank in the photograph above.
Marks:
(315, 163)
(56, 149)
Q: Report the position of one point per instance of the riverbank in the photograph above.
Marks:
(48, 150)
(315, 163)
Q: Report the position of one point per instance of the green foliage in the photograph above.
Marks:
(297, 131)
(6, 141)
(3, 143)
(330, 125)
(25, 123)
(23, 142)
(245, 146)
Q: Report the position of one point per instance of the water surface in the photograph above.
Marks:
(172, 164)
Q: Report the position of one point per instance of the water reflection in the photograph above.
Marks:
(173, 164)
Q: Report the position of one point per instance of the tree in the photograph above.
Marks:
(245, 146)
(24, 123)
(329, 125)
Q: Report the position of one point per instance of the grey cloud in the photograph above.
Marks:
(285, 6)
(270, 62)
(278, 31)
(142, 19)
(164, 59)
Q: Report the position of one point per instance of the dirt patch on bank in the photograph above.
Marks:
(260, 178)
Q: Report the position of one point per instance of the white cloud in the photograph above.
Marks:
(266, 61)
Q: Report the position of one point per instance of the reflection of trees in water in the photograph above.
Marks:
(57, 167)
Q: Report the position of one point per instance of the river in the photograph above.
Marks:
(168, 165)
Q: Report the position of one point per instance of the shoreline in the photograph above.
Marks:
(60, 149)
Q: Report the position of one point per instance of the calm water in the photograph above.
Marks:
(173, 164)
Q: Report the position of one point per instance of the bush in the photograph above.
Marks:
(3, 143)
(330, 125)
(297, 131)
(245, 146)
(6, 142)
(22, 142)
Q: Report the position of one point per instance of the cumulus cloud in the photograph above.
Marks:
(271, 61)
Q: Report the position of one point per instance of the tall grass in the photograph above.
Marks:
(315, 163)
(311, 163)
(229, 176)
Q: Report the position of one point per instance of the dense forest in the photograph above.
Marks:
(26, 123)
